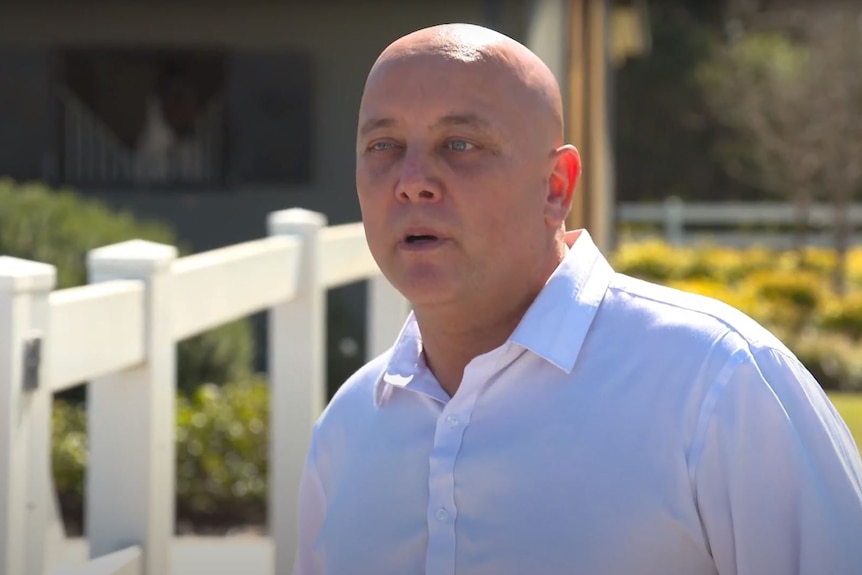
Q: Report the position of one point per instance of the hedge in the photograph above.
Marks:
(221, 467)
(59, 227)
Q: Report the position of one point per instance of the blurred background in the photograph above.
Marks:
(722, 146)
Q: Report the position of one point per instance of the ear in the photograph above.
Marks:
(561, 184)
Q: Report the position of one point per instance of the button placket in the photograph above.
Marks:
(442, 511)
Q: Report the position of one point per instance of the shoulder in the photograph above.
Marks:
(661, 310)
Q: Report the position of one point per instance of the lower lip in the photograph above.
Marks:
(421, 246)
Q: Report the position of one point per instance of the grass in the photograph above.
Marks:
(849, 405)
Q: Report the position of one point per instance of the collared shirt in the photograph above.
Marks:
(624, 428)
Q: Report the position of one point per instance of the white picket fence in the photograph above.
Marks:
(119, 333)
(738, 224)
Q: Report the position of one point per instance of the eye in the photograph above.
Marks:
(381, 146)
(460, 145)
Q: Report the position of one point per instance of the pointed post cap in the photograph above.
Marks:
(18, 275)
(294, 219)
(131, 258)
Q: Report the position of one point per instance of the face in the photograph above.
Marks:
(455, 186)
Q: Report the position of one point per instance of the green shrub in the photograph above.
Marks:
(69, 447)
(652, 260)
(727, 265)
(221, 442)
(59, 227)
(785, 300)
(219, 355)
(833, 359)
(843, 315)
(854, 267)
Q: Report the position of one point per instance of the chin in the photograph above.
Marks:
(424, 290)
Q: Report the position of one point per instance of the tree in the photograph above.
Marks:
(662, 126)
(835, 35)
(759, 85)
(787, 83)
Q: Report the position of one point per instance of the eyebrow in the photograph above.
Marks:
(469, 120)
(375, 123)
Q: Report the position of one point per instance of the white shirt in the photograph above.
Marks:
(624, 428)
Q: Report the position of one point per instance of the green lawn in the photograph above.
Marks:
(850, 407)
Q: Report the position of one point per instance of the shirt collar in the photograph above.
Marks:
(554, 326)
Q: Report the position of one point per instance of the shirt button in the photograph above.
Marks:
(442, 514)
(452, 420)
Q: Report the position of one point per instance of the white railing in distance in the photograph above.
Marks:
(127, 561)
(743, 223)
(95, 330)
(238, 280)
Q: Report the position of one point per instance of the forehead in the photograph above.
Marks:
(421, 85)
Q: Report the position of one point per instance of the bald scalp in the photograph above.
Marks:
(529, 77)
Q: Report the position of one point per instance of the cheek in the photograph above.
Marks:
(511, 222)
(375, 171)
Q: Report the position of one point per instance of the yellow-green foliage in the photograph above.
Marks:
(854, 268)
(850, 407)
(788, 292)
(843, 315)
(652, 260)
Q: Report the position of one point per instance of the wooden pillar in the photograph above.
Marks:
(588, 118)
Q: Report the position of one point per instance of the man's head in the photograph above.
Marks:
(462, 175)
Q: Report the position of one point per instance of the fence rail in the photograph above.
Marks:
(735, 223)
(113, 316)
(223, 275)
(127, 561)
(119, 333)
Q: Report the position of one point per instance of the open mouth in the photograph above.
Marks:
(420, 239)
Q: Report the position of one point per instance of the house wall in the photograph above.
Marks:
(343, 38)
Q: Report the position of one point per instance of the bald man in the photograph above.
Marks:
(539, 413)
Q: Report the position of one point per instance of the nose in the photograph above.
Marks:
(417, 182)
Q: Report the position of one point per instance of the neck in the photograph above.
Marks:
(453, 335)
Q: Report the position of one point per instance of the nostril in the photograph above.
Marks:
(426, 194)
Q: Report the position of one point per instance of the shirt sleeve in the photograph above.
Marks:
(312, 509)
(778, 477)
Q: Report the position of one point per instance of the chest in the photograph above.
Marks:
(509, 481)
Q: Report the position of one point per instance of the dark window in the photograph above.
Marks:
(25, 120)
(270, 118)
(183, 118)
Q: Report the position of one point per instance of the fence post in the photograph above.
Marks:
(25, 417)
(297, 364)
(674, 220)
(131, 418)
(387, 310)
